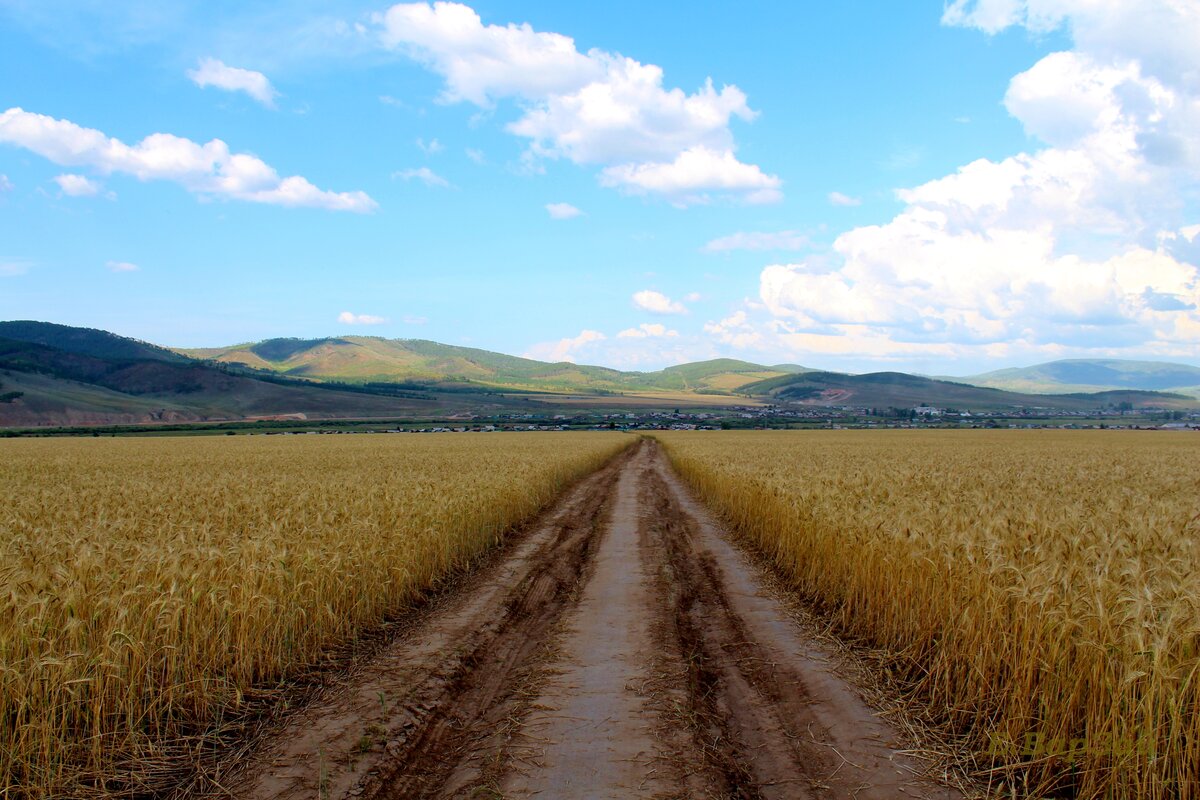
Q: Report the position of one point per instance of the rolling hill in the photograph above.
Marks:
(1093, 375)
(107, 379)
(369, 359)
(59, 375)
(901, 390)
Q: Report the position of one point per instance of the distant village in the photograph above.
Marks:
(809, 417)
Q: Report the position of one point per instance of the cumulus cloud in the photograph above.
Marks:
(593, 108)
(647, 330)
(350, 318)
(214, 72)
(78, 185)
(425, 175)
(839, 199)
(1078, 246)
(694, 172)
(758, 240)
(735, 330)
(121, 266)
(5, 184)
(476, 155)
(657, 303)
(562, 211)
(646, 346)
(209, 170)
(565, 349)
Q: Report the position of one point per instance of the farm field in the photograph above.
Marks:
(149, 587)
(1029, 597)
(621, 647)
(1036, 593)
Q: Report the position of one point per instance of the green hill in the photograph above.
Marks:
(56, 374)
(86, 341)
(369, 359)
(901, 390)
(1093, 375)
(46, 385)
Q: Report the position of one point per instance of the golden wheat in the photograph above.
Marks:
(148, 585)
(1039, 590)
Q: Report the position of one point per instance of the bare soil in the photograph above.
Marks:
(621, 647)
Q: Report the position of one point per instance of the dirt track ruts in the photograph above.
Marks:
(621, 647)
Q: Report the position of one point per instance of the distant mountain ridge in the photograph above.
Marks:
(56, 374)
(885, 390)
(86, 341)
(373, 359)
(1093, 375)
(61, 375)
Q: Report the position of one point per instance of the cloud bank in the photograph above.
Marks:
(209, 169)
(593, 108)
(1081, 246)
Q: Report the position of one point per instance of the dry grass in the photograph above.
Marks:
(149, 586)
(1039, 591)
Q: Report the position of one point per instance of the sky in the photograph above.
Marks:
(936, 187)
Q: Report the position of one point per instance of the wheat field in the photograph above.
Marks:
(1036, 592)
(150, 587)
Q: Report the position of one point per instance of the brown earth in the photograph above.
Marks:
(622, 647)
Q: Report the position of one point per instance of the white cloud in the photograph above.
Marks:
(411, 319)
(564, 349)
(209, 170)
(590, 108)
(479, 62)
(121, 266)
(425, 175)
(10, 267)
(5, 184)
(692, 297)
(758, 240)
(430, 148)
(476, 155)
(657, 303)
(78, 185)
(214, 72)
(692, 173)
(1077, 247)
(350, 318)
(736, 331)
(839, 199)
(562, 210)
(647, 330)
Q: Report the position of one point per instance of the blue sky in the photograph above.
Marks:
(859, 186)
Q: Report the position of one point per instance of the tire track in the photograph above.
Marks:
(621, 648)
(398, 728)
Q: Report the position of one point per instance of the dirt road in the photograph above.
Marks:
(620, 648)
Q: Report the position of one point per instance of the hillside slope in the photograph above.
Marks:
(1092, 375)
(46, 385)
(365, 359)
(87, 342)
(900, 390)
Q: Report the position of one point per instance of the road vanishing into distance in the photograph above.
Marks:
(619, 647)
